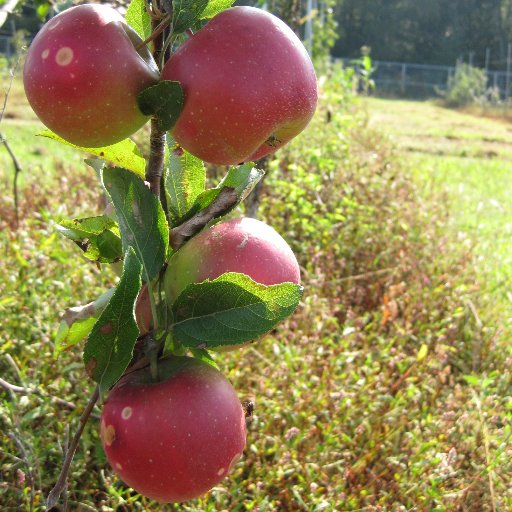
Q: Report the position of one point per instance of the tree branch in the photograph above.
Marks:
(55, 493)
(32, 391)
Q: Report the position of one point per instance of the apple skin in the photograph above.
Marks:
(249, 87)
(82, 76)
(175, 439)
(243, 245)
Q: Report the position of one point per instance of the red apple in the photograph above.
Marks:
(82, 76)
(245, 245)
(174, 439)
(249, 87)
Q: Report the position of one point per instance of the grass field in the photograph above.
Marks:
(467, 159)
(388, 390)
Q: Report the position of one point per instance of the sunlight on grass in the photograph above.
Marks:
(467, 158)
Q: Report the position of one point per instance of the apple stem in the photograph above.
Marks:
(55, 493)
(156, 32)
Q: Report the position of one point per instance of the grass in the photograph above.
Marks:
(388, 390)
(471, 169)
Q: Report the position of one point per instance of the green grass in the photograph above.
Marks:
(388, 390)
(471, 173)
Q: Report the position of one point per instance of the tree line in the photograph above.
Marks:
(433, 32)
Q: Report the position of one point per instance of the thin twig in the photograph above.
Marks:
(17, 166)
(357, 277)
(159, 29)
(32, 391)
(155, 166)
(11, 81)
(65, 450)
(14, 366)
(24, 455)
(55, 493)
(17, 171)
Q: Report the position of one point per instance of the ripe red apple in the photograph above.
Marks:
(82, 75)
(249, 87)
(174, 439)
(244, 245)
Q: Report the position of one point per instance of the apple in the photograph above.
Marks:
(243, 245)
(174, 439)
(249, 87)
(83, 73)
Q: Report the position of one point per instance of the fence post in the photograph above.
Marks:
(404, 78)
(509, 57)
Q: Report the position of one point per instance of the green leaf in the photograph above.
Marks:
(214, 7)
(472, 380)
(125, 153)
(422, 353)
(110, 345)
(163, 100)
(42, 10)
(204, 356)
(186, 13)
(231, 310)
(77, 322)
(185, 179)
(138, 18)
(98, 237)
(141, 219)
(241, 179)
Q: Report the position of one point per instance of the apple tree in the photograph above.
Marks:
(221, 84)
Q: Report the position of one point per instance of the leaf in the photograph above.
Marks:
(98, 237)
(223, 202)
(214, 7)
(186, 13)
(204, 356)
(77, 322)
(110, 345)
(216, 202)
(472, 380)
(241, 180)
(422, 353)
(125, 153)
(185, 179)
(141, 219)
(163, 100)
(231, 310)
(138, 18)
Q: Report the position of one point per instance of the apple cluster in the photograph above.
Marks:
(249, 87)
(174, 439)
(248, 82)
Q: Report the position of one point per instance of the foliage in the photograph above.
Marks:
(364, 70)
(437, 32)
(466, 86)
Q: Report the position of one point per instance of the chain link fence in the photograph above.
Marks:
(406, 79)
